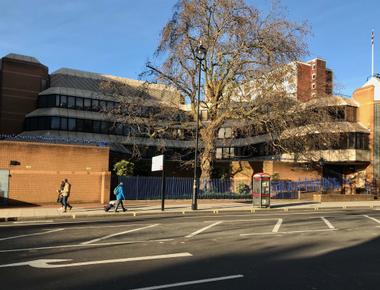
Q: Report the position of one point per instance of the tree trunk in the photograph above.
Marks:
(207, 155)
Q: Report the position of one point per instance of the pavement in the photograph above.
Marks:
(139, 208)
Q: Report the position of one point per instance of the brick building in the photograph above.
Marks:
(21, 79)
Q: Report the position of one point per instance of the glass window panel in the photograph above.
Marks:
(95, 105)
(34, 123)
(57, 101)
(63, 123)
(87, 104)
(79, 103)
(71, 124)
(221, 133)
(54, 123)
(71, 102)
(96, 127)
(110, 105)
(79, 125)
(42, 101)
(103, 105)
(87, 125)
(27, 124)
(43, 123)
(119, 129)
(105, 126)
(63, 101)
(51, 101)
(219, 153)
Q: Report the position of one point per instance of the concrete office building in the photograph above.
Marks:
(68, 104)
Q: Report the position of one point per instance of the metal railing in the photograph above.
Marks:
(144, 187)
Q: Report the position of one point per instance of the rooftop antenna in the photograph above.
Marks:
(373, 49)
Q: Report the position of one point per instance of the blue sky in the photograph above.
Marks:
(118, 36)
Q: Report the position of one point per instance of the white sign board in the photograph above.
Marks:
(158, 163)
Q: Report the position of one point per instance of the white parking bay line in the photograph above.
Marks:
(203, 229)
(277, 226)
(191, 282)
(330, 226)
(28, 235)
(372, 218)
(118, 234)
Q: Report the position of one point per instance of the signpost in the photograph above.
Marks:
(158, 165)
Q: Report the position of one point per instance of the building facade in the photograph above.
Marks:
(72, 106)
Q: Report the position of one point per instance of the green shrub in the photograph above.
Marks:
(243, 189)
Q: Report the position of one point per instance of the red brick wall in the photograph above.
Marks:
(43, 166)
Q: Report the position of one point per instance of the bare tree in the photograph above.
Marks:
(247, 79)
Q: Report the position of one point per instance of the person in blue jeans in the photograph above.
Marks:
(120, 196)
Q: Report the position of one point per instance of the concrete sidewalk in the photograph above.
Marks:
(139, 208)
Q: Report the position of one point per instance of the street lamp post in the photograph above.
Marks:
(200, 53)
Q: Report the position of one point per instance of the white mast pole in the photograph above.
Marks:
(373, 52)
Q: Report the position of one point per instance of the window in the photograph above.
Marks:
(71, 124)
(225, 133)
(204, 115)
(87, 125)
(79, 125)
(119, 129)
(57, 101)
(79, 103)
(63, 101)
(313, 66)
(64, 124)
(87, 104)
(71, 102)
(96, 127)
(43, 123)
(95, 105)
(42, 101)
(110, 105)
(51, 101)
(313, 76)
(219, 152)
(313, 86)
(54, 123)
(103, 105)
(104, 127)
(43, 84)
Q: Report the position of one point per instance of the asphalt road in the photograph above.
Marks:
(297, 250)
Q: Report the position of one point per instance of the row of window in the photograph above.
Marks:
(99, 127)
(77, 103)
(79, 125)
(95, 105)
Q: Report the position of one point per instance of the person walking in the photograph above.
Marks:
(120, 196)
(60, 197)
(65, 195)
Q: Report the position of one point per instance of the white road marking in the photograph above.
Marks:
(28, 235)
(203, 229)
(44, 263)
(245, 220)
(31, 222)
(118, 234)
(372, 218)
(80, 245)
(308, 231)
(191, 282)
(277, 226)
(329, 225)
(291, 232)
